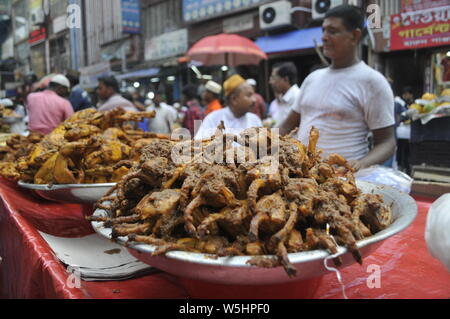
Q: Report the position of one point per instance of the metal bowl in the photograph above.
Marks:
(70, 193)
(235, 270)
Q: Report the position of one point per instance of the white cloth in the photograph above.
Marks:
(279, 110)
(437, 230)
(171, 108)
(163, 121)
(345, 105)
(233, 125)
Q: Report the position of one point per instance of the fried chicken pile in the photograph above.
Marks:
(241, 206)
(89, 147)
(17, 146)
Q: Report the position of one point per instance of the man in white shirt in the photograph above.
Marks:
(165, 116)
(284, 84)
(347, 100)
(236, 116)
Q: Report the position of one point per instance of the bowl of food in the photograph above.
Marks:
(263, 269)
(70, 193)
(249, 220)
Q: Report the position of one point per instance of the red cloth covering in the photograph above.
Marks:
(30, 270)
(63, 220)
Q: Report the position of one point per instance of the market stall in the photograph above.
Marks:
(31, 270)
(375, 226)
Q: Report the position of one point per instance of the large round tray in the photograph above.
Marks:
(235, 270)
(70, 193)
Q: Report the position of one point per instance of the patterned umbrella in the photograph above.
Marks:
(226, 49)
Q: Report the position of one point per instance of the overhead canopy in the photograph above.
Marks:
(291, 41)
(139, 74)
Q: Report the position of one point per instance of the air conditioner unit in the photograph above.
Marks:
(320, 7)
(37, 16)
(275, 15)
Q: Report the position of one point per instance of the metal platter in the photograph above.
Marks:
(70, 193)
(235, 270)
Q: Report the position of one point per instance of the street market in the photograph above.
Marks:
(245, 150)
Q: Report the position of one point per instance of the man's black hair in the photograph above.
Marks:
(352, 17)
(407, 89)
(111, 82)
(287, 70)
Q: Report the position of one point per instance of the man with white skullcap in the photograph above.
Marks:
(49, 108)
(210, 97)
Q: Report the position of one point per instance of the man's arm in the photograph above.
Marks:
(290, 123)
(384, 148)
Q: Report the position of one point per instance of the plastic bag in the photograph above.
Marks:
(437, 230)
(386, 176)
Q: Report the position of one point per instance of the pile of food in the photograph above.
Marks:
(17, 146)
(211, 202)
(89, 147)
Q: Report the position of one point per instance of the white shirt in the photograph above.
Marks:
(279, 110)
(233, 125)
(163, 121)
(345, 105)
(116, 101)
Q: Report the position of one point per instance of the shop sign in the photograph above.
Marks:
(166, 45)
(131, 17)
(420, 29)
(37, 35)
(239, 23)
(417, 5)
(198, 10)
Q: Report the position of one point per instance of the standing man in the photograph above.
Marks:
(78, 97)
(236, 116)
(210, 97)
(108, 91)
(346, 100)
(194, 112)
(284, 85)
(49, 108)
(164, 119)
(260, 105)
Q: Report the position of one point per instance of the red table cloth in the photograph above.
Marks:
(30, 269)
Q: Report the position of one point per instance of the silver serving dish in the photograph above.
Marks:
(234, 270)
(11, 119)
(70, 193)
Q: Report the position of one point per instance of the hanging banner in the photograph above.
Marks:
(416, 5)
(131, 17)
(198, 10)
(414, 30)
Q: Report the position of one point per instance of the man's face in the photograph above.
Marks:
(103, 91)
(338, 42)
(243, 101)
(276, 82)
(408, 97)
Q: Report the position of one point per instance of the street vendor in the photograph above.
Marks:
(346, 100)
(236, 116)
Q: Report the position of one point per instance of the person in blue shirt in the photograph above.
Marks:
(79, 98)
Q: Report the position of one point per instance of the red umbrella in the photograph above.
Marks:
(226, 49)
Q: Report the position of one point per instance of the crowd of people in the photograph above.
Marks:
(346, 101)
